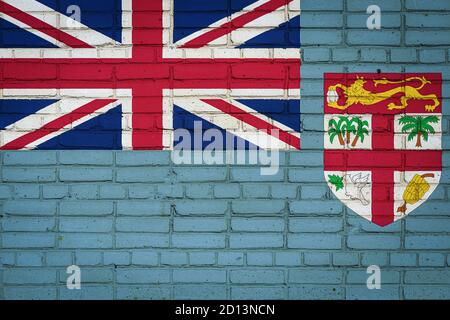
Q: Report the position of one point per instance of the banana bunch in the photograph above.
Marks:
(415, 190)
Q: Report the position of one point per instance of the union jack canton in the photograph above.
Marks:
(126, 74)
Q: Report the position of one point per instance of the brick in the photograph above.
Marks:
(28, 175)
(144, 276)
(316, 55)
(403, 259)
(426, 292)
(199, 292)
(203, 174)
(373, 242)
(141, 240)
(195, 241)
(317, 258)
(432, 56)
(321, 5)
(84, 191)
(85, 174)
(345, 259)
(85, 241)
(113, 192)
(30, 293)
(284, 191)
(314, 192)
(29, 276)
(315, 225)
(385, 5)
(149, 174)
(88, 293)
(321, 20)
(428, 225)
(287, 259)
(425, 37)
(254, 175)
(262, 240)
(88, 258)
(256, 293)
(306, 175)
(29, 259)
(427, 5)
(202, 258)
(173, 258)
(321, 37)
(29, 224)
(55, 192)
(230, 258)
(427, 277)
(35, 158)
(58, 258)
(259, 259)
(257, 224)
(86, 208)
(144, 258)
(104, 158)
(28, 240)
(26, 192)
(256, 191)
(142, 158)
(5, 192)
(379, 38)
(199, 224)
(143, 293)
(431, 259)
(201, 207)
(199, 191)
(89, 225)
(91, 275)
(427, 242)
(142, 208)
(199, 276)
(363, 293)
(374, 258)
(315, 207)
(316, 292)
(257, 206)
(116, 258)
(404, 55)
(315, 276)
(314, 241)
(347, 54)
(224, 191)
(249, 276)
(373, 55)
(361, 277)
(142, 225)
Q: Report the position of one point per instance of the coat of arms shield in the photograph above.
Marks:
(382, 138)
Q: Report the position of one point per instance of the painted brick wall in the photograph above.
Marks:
(142, 228)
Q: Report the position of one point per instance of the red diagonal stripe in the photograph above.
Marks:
(254, 121)
(235, 24)
(57, 124)
(42, 26)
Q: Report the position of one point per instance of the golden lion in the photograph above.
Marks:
(356, 94)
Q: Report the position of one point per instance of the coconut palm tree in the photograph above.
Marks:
(360, 131)
(339, 129)
(418, 127)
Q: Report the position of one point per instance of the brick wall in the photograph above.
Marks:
(142, 227)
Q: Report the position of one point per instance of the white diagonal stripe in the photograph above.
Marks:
(233, 125)
(46, 115)
(61, 22)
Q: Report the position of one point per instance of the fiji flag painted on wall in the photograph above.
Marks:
(256, 42)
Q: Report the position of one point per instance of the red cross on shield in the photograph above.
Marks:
(382, 138)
